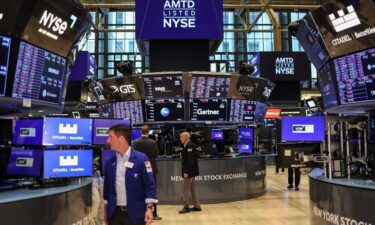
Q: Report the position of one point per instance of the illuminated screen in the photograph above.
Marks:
(5, 44)
(101, 129)
(245, 146)
(128, 110)
(28, 132)
(302, 128)
(209, 86)
(242, 110)
(217, 135)
(246, 133)
(208, 109)
(327, 86)
(40, 75)
(165, 110)
(272, 113)
(163, 87)
(25, 162)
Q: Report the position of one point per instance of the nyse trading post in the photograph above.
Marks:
(208, 109)
(165, 110)
(5, 44)
(40, 75)
(209, 86)
(163, 87)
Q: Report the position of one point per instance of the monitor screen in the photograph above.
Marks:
(272, 113)
(165, 86)
(40, 75)
(106, 155)
(242, 110)
(5, 44)
(28, 132)
(129, 110)
(25, 162)
(327, 86)
(246, 133)
(245, 146)
(67, 131)
(311, 103)
(101, 127)
(217, 135)
(371, 125)
(67, 163)
(208, 109)
(355, 76)
(136, 133)
(209, 86)
(165, 110)
(250, 88)
(302, 128)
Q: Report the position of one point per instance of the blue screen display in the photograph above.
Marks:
(106, 155)
(28, 132)
(245, 133)
(5, 44)
(302, 128)
(245, 146)
(67, 131)
(101, 127)
(217, 135)
(67, 163)
(25, 162)
(136, 133)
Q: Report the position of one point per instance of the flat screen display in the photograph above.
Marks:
(371, 125)
(28, 132)
(25, 162)
(302, 128)
(40, 75)
(129, 110)
(327, 86)
(67, 131)
(208, 109)
(245, 147)
(272, 113)
(67, 163)
(106, 155)
(101, 128)
(136, 133)
(5, 44)
(246, 133)
(166, 86)
(217, 135)
(242, 110)
(209, 86)
(165, 110)
(311, 103)
(356, 77)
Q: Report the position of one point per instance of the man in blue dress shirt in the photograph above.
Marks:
(129, 186)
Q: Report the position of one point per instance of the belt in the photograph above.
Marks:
(122, 208)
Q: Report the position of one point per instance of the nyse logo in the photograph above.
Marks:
(247, 89)
(344, 21)
(303, 128)
(284, 65)
(69, 161)
(160, 89)
(55, 23)
(124, 89)
(68, 129)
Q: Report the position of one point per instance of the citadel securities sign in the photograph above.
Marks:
(179, 19)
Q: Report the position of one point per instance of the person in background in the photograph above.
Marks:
(129, 186)
(97, 194)
(190, 170)
(150, 148)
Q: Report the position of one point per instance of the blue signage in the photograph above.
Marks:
(67, 163)
(67, 131)
(302, 128)
(179, 19)
(28, 132)
(25, 162)
(245, 146)
(245, 133)
(101, 128)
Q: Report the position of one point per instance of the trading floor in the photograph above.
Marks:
(278, 206)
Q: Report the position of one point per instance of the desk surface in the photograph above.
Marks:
(318, 174)
(23, 193)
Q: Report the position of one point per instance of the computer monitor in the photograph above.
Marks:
(311, 103)
(165, 110)
(209, 86)
(217, 135)
(302, 129)
(136, 133)
(165, 86)
(208, 109)
(101, 128)
(67, 163)
(25, 162)
(245, 147)
(5, 44)
(246, 133)
(272, 113)
(28, 132)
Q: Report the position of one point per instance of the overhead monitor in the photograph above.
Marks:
(208, 109)
(245, 147)
(165, 110)
(165, 86)
(272, 113)
(40, 75)
(101, 129)
(242, 110)
(355, 76)
(371, 125)
(302, 129)
(25, 162)
(217, 135)
(67, 163)
(209, 86)
(67, 131)
(246, 133)
(5, 44)
(28, 132)
(311, 103)
(136, 133)
(327, 84)
(132, 110)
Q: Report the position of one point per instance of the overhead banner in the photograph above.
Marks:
(179, 19)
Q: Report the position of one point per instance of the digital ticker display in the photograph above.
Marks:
(5, 44)
(209, 86)
(165, 110)
(163, 87)
(242, 110)
(128, 110)
(39, 76)
(208, 109)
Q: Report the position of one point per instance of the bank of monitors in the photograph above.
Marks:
(161, 87)
(67, 163)
(302, 129)
(245, 146)
(217, 135)
(246, 133)
(5, 44)
(209, 86)
(39, 76)
(165, 110)
(25, 162)
(101, 129)
(208, 109)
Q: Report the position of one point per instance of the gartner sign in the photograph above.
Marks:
(179, 19)
(67, 163)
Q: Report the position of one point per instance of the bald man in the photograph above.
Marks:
(189, 171)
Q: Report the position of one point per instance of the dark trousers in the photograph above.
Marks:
(122, 218)
(297, 173)
(155, 213)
